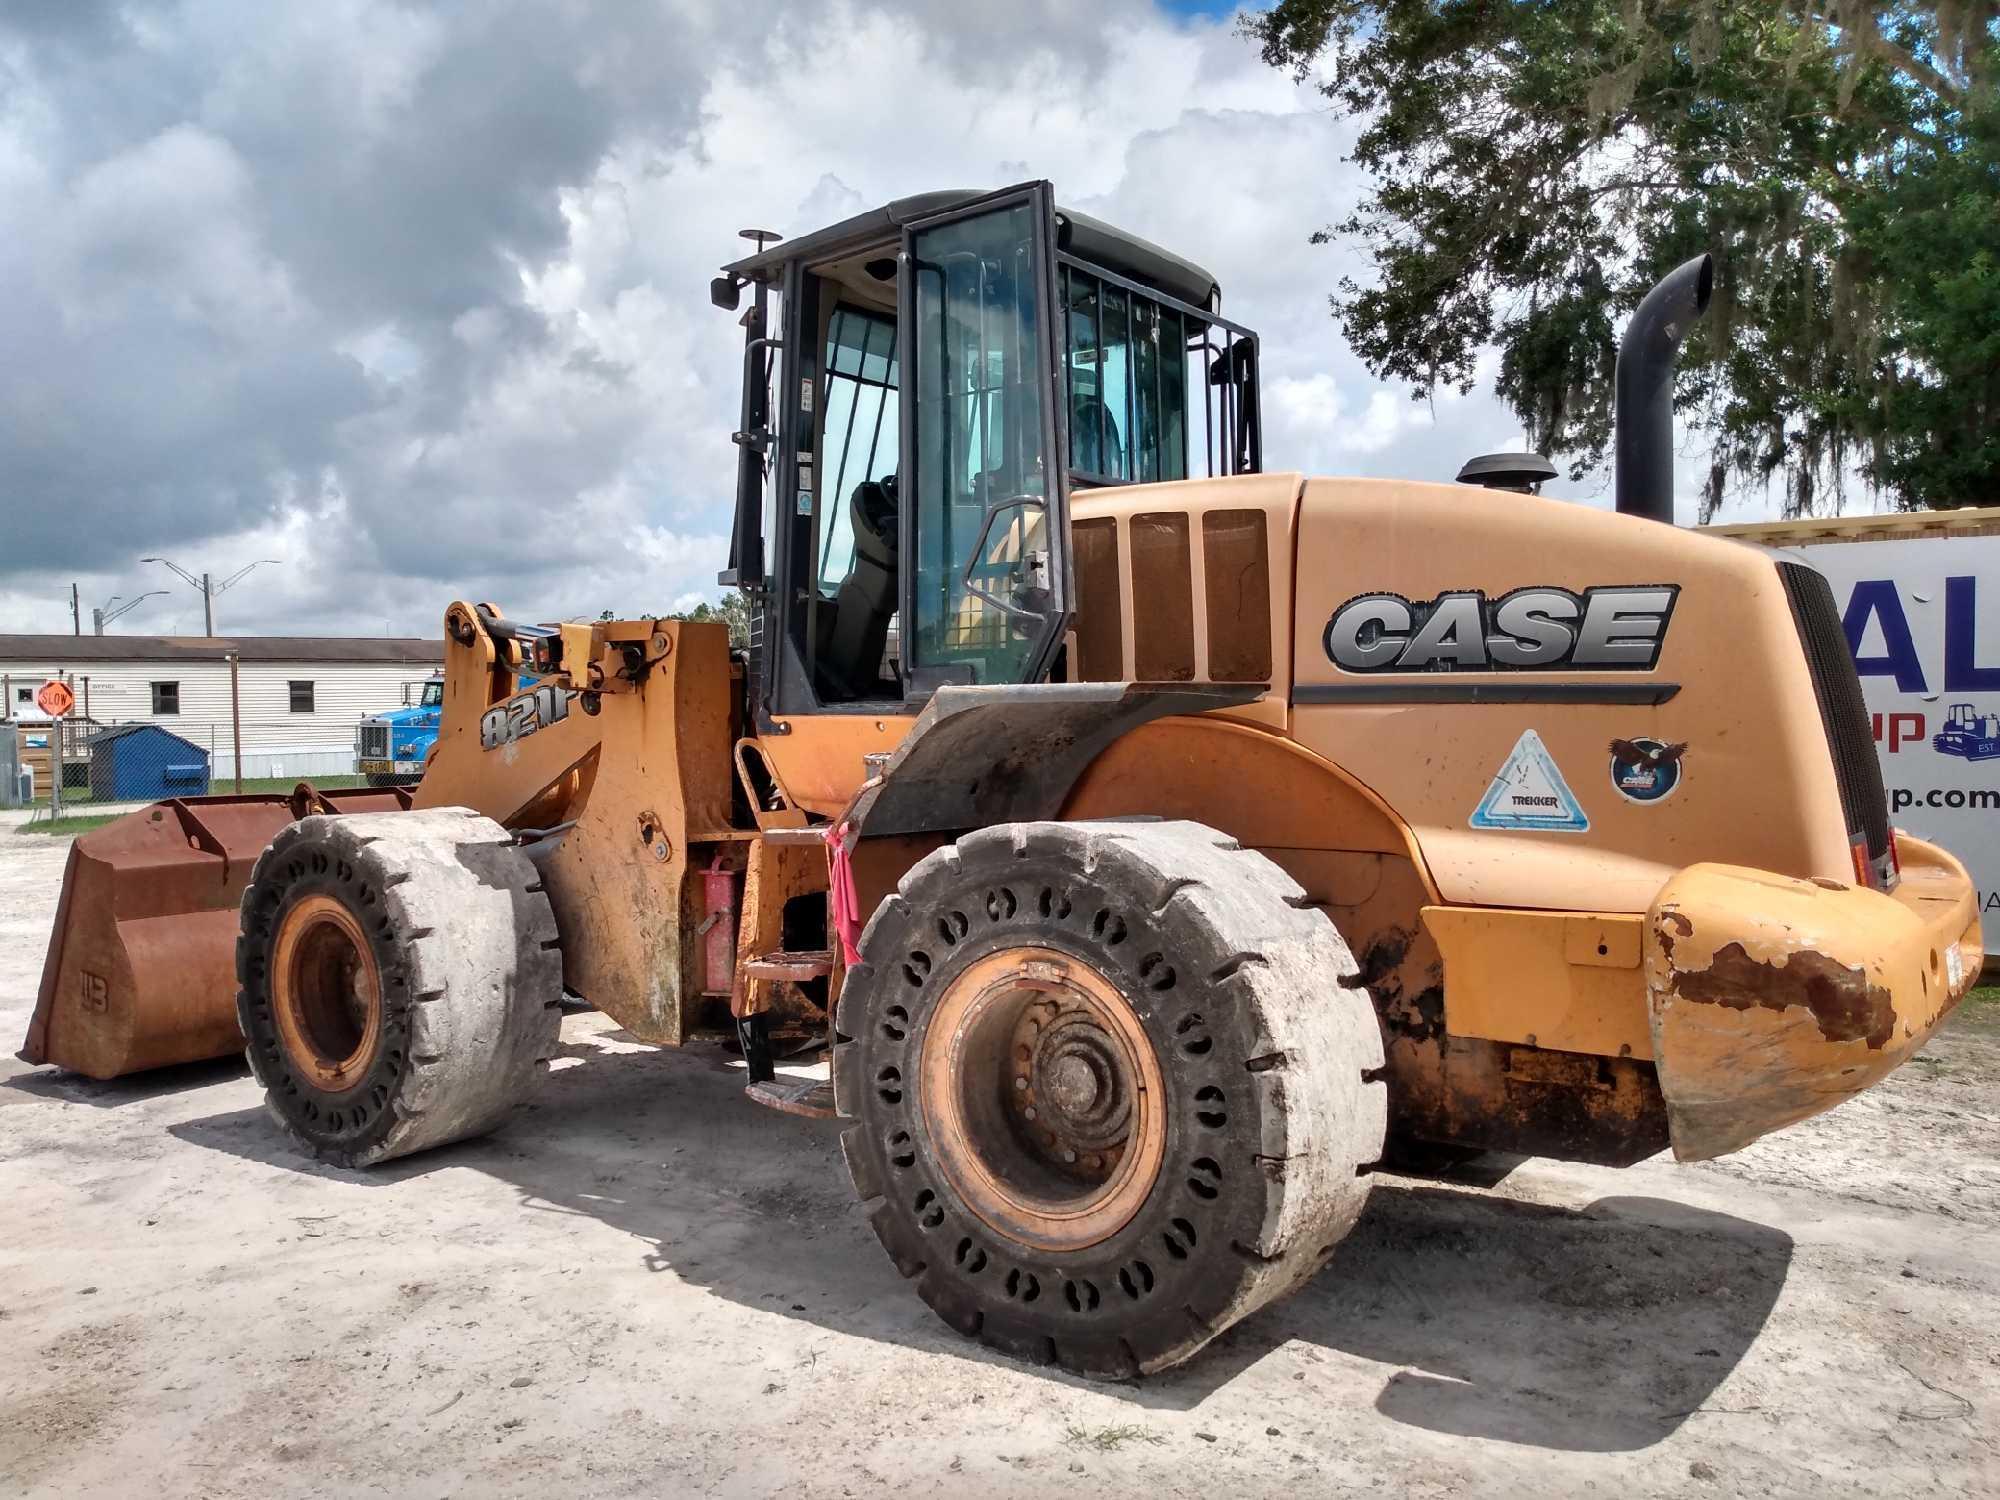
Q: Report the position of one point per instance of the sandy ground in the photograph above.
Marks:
(646, 1285)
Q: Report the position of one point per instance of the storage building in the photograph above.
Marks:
(300, 697)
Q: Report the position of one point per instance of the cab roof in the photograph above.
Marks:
(1079, 234)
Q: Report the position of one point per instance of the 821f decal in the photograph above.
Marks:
(522, 715)
(1613, 627)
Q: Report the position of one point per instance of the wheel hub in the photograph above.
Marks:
(1079, 1079)
(1044, 1098)
(326, 993)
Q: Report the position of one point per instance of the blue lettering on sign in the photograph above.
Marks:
(1962, 674)
(1877, 600)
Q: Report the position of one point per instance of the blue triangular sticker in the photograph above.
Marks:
(1530, 795)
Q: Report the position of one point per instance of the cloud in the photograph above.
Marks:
(414, 296)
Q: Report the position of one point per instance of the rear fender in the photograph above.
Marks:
(1772, 999)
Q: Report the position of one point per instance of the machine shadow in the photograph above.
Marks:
(1594, 1330)
(134, 1088)
(1598, 1330)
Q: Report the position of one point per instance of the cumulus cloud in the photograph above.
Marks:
(414, 296)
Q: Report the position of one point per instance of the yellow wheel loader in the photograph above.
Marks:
(1158, 842)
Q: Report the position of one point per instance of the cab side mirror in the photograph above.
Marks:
(724, 292)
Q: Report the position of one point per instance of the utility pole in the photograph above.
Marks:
(236, 720)
(75, 612)
(207, 608)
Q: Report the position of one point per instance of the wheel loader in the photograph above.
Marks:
(1155, 842)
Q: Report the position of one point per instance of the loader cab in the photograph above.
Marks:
(924, 385)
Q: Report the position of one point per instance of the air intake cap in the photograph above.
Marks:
(1524, 473)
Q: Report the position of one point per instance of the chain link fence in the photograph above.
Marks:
(79, 766)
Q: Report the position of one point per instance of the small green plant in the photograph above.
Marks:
(1109, 1439)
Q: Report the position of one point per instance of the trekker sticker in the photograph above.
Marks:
(1646, 770)
(1616, 627)
(1530, 795)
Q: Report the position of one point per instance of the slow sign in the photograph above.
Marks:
(54, 698)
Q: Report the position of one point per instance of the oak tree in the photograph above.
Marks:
(1536, 166)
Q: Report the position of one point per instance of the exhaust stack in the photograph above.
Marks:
(1642, 475)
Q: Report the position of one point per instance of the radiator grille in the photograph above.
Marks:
(1163, 598)
(1841, 708)
(1217, 631)
(374, 742)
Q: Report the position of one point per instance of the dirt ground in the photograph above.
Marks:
(646, 1285)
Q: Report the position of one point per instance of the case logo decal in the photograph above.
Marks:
(1646, 770)
(1530, 795)
(1616, 627)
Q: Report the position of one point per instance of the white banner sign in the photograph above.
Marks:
(1923, 621)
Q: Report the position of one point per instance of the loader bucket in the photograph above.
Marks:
(141, 969)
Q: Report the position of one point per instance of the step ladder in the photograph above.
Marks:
(811, 1098)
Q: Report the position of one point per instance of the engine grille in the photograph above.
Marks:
(1841, 708)
(373, 742)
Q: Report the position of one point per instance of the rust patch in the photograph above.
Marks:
(1669, 918)
(1846, 1006)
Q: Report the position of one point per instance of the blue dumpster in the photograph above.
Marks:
(145, 763)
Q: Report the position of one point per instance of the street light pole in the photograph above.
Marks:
(99, 618)
(208, 588)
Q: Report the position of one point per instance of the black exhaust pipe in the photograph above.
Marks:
(1642, 477)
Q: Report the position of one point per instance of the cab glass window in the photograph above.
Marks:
(862, 427)
(1127, 359)
(982, 479)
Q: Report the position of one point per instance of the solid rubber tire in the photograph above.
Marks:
(1274, 1112)
(470, 978)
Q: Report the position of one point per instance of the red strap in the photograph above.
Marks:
(846, 905)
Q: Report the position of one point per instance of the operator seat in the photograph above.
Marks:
(852, 653)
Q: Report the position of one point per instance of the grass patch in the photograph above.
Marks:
(81, 823)
(1110, 1439)
(222, 786)
(1978, 1012)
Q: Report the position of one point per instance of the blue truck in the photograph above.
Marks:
(392, 749)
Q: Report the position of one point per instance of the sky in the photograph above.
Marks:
(412, 298)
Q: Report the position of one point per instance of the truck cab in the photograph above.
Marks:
(392, 749)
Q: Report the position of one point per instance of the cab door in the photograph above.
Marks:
(986, 587)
